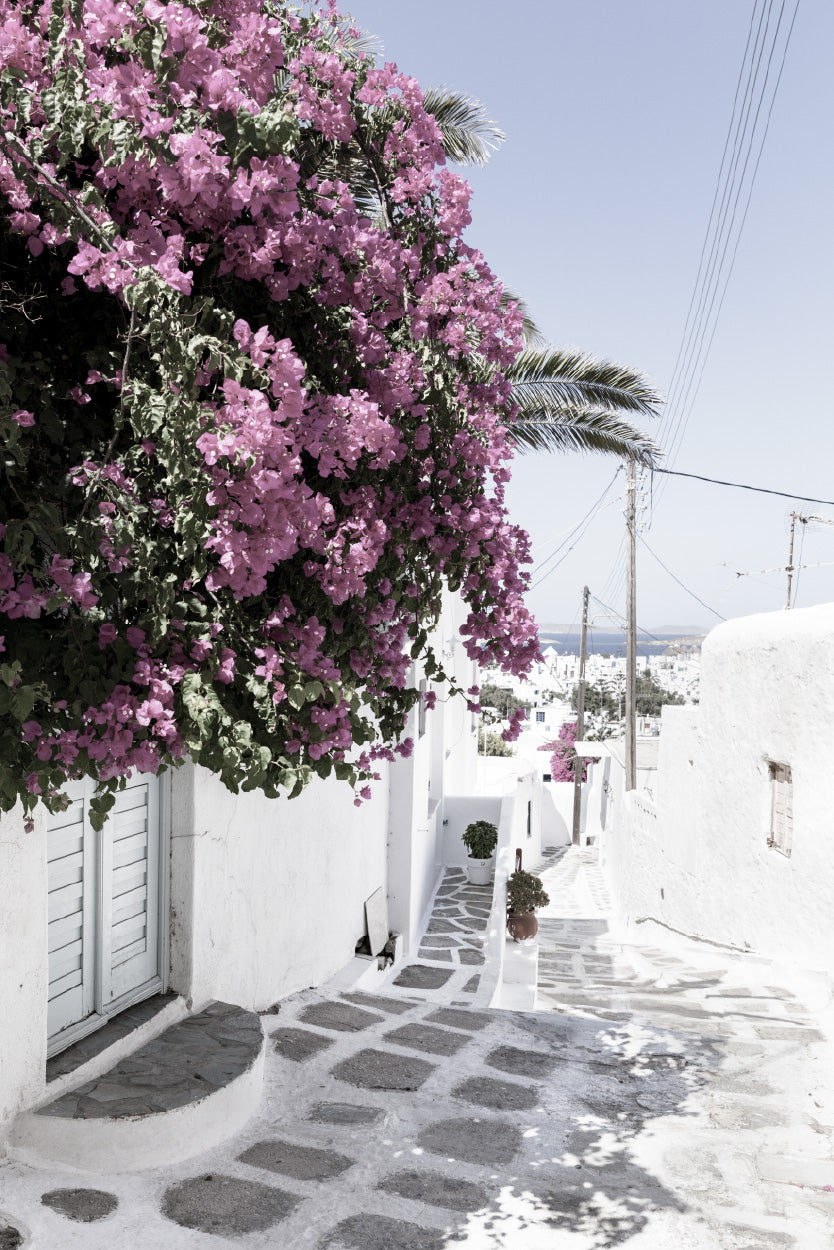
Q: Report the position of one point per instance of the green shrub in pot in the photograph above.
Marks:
(480, 838)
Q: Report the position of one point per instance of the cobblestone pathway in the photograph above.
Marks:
(655, 1102)
(452, 948)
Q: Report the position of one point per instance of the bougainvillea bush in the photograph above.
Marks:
(564, 755)
(251, 399)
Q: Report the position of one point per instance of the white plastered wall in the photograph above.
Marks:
(767, 694)
(267, 895)
(442, 764)
(23, 964)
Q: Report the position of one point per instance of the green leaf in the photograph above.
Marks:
(23, 701)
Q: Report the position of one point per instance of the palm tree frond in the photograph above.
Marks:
(530, 332)
(361, 44)
(469, 135)
(565, 428)
(575, 377)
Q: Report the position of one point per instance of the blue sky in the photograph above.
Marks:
(594, 210)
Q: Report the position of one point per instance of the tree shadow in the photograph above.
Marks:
(616, 1079)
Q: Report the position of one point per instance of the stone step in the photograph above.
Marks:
(188, 1089)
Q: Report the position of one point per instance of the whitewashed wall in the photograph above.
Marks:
(462, 810)
(23, 964)
(703, 865)
(267, 895)
(443, 763)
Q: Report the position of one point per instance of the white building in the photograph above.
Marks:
(732, 843)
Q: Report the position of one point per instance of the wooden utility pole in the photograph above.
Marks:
(580, 721)
(631, 632)
(794, 516)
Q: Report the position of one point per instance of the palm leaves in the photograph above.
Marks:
(568, 400)
(468, 135)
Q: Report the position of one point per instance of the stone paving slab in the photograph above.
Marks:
(226, 1205)
(85, 1206)
(340, 1016)
(380, 1232)
(303, 1163)
(298, 1044)
(379, 1069)
(391, 1006)
(436, 1188)
(424, 1037)
(420, 977)
(344, 1113)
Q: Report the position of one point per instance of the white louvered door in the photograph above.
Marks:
(72, 871)
(104, 908)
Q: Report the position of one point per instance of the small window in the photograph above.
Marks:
(539, 718)
(421, 710)
(529, 819)
(781, 808)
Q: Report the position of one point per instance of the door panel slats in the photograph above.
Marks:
(104, 932)
(62, 961)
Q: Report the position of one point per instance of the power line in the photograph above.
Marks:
(716, 224)
(689, 310)
(573, 530)
(762, 490)
(678, 580)
(585, 523)
(704, 350)
(723, 236)
(619, 616)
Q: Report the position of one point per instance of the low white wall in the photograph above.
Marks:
(268, 894)
(703, 866)
(515, 965)
(23, 964)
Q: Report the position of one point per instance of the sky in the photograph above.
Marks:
(595, 210)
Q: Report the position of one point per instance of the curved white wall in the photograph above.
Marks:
(767, 694)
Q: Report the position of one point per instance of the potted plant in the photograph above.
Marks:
(525, 893)
(479, 839)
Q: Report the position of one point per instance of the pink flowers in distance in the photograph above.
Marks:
(280, 375)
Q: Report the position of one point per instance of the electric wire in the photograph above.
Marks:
(588, 520)
(716, 228)
(678, 580)
(593, 509)
(694, 386)
(761, 490)
(710, 293)
(619, 616)
(712, 228)
(713, 277)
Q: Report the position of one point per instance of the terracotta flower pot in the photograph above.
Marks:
(522, 924)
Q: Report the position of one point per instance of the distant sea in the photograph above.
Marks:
(599, 643)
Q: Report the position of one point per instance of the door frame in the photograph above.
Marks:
(155, 985)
